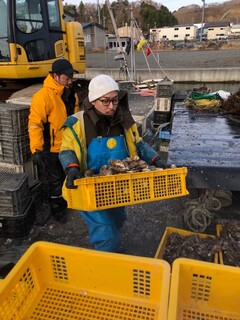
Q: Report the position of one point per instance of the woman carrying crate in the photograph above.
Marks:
(104, 130)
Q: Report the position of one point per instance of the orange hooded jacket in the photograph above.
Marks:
(47, 106)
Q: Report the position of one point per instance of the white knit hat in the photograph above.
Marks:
(101, 85)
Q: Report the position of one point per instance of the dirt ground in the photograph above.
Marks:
(141, 233)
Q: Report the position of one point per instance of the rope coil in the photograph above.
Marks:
(199, 212)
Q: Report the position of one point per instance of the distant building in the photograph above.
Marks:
(112, 43)
(175, 33)
(94, 36)
(201, 31)
(126, 32)
(214, 29)
(235, 29)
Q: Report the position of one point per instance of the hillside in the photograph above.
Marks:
(227, 11)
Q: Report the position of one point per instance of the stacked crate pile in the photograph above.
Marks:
(16, 205)
(18, 175)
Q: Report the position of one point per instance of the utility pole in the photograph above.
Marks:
(133, 66)
(98, 12)
(122, 53)
(203, 7)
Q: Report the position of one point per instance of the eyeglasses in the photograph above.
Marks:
(106, 102)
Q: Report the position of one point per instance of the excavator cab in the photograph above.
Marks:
(33, 33)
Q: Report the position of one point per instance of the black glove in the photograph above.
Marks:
(38, 158)
(159, 163)
(72, 174)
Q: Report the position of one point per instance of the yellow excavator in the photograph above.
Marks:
(33, 34)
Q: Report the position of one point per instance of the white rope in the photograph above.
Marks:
(164, 73)
(144, 54)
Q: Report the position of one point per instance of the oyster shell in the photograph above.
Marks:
(135, 164)
(117, 166)
(105, 171)
(89, 173)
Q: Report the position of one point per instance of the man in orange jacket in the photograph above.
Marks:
(50, 107)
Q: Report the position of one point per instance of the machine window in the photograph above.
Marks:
(35, 50)
(53, 13)
(4, 47)
(28, 15)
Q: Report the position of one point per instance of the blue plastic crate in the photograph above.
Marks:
(165, 135)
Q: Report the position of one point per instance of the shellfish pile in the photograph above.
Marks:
(230, 237)
(127, 165)
(192, 247)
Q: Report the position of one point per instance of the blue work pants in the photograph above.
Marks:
(103, 226)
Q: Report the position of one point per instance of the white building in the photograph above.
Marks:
(175, 33)
(214, 29)
(235, 29)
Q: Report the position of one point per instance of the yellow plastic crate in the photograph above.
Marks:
(59, 282)
(204, 291)
(113, 191)
(219, 228)
(182, 232)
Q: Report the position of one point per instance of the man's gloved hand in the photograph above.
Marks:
(37, 158)
(159, 163)
(72, 174)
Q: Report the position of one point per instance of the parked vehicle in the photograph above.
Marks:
(221, 36)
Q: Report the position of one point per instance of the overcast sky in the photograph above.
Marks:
(170, 4)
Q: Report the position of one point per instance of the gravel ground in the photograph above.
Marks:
(141, 233)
